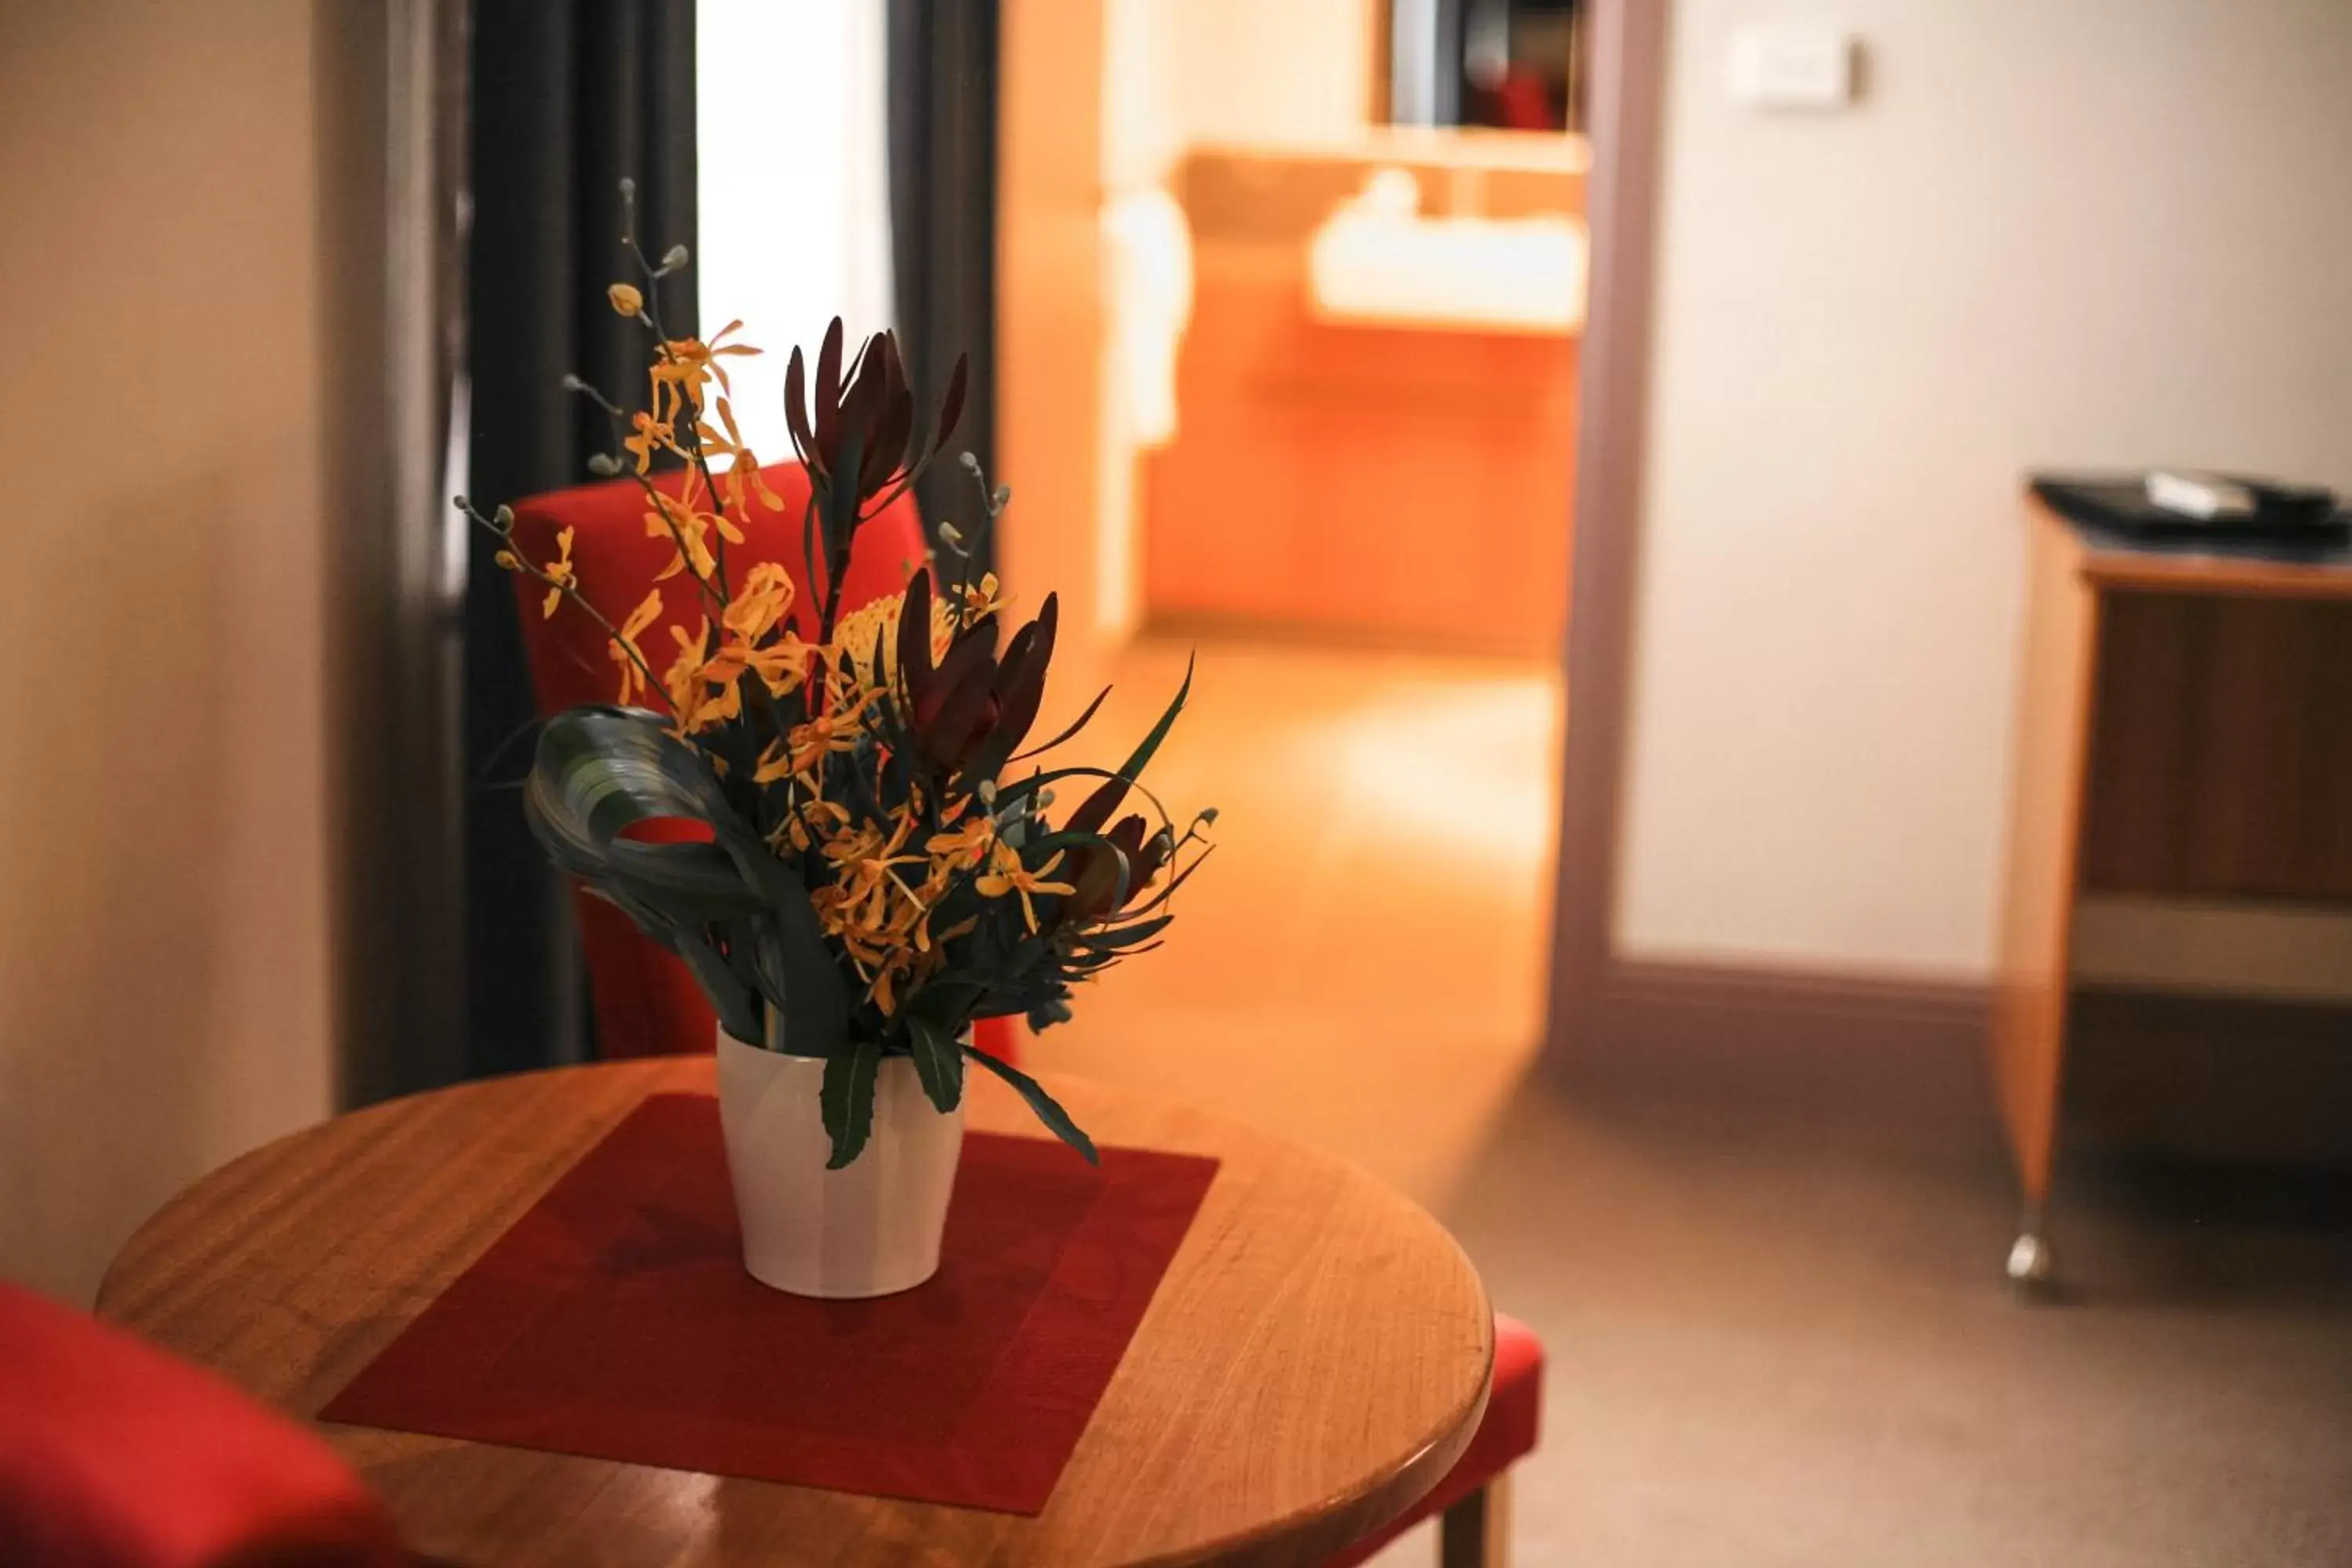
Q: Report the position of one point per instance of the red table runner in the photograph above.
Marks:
(614, 1320)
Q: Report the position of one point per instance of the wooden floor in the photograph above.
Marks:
(1360, 964)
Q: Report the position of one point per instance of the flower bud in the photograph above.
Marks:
(626, 300)
(674, 256)
(605, 465)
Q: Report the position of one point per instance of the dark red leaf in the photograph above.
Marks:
(1099, 873)
(963, 715)
(952, 408)
(886, 455)
(975, 648)
(914, 636)
(828, 390)
(1090, 816)
(796, 410)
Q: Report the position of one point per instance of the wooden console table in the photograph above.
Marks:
(2182, 729)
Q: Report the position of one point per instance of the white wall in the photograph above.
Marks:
(1180, 73)
(164, 969)
(2087, 233)
(1283, 72)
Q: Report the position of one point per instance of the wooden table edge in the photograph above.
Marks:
(1305, 1537)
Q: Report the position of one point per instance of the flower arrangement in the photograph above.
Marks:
(874, 878)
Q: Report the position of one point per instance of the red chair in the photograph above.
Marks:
(112, 1455)
(1475, 1496)
(648, 1002)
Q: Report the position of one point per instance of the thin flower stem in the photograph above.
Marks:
(573, 596)
(612, 413)
(692, 445)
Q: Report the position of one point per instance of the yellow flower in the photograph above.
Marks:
(558, 573)
(962, 847)
(677, 520)
(1007, 875)
(686, 366)
(808, 744)
(820, 816)
(647, 433)
(983, 597)
(745, 464)
(856, 635)
(625, 299)
(702, 692)
(623, 650)
(865, 861)
(760, 603)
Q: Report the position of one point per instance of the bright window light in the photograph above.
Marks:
(792, 184)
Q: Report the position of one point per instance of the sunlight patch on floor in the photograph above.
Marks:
(1361, 963)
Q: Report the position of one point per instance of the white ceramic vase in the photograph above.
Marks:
(868, 1229)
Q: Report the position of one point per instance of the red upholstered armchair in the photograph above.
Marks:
(112, 1455)
(646, 1001)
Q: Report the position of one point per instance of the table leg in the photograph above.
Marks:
(2031, 1264)
(2046, 803)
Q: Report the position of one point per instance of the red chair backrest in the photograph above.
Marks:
(112, 1455)
(647, 1003)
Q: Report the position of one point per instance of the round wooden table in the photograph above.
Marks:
(1318, 1354)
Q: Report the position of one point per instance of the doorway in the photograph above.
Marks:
(1294, 388)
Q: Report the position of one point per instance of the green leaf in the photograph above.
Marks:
(695, 883)
(1126, 935)
(741, 1011)
(1098, 807)
(600, 771)
(1079, 724)
(846, 1099)
(1057, 1120)
(938, 1061)
(1141, 757)
(802, 973)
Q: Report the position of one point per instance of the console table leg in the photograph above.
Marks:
(2030, 1262)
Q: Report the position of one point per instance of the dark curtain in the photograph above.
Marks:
(942, 81)
(569, 97)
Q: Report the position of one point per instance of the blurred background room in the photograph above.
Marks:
(1674, 822)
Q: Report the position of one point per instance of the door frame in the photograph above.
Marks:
(1627, 82)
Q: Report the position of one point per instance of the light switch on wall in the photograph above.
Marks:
(1792, 65)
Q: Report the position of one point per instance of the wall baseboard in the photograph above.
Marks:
(2226, 1078)
(1909, 1053)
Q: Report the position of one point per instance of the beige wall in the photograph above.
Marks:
(165, 941)
(1181, 73)
(1248, 72)
(2103, 232)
